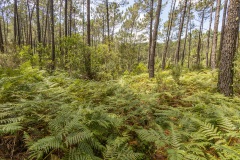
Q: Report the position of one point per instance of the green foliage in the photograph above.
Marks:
(46, 116)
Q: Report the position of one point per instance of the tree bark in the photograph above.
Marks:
(15, 22)
(199, 39)
(168, 35)
(150, 30)
(52, 36)
(223, 28)
(108, 27)
(154, 40)
(180, 33)
(46, 25)
(186, 33)
(1, 38)
(189, 44)
(208, 37)
(88, 54)
(70, 19)
(39, 33)
(66, 18)
(226, 69)
(215, 35)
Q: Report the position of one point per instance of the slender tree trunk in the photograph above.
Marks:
(88, 54)
(39, 33)
(225, 80)
(66, 18)
(199, 39)
(103, 29)
(83, 21)
(17, 35)
(1, 39)
(70, 19)
(114, 20)
(150, 31)
(208, 37)
(46, 25)
(52, 36)
(180, 33)
(30, 13)
(168, 34)
(154, 40)
(189, 43)
(215, 35)
(4, 28)
(223, 28)
(108, 28)
(15, 22)
(186, 33)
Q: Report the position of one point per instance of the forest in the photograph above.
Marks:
(119, 80)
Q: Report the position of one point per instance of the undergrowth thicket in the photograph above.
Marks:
(176, 117)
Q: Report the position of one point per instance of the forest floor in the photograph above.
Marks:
(177, 115)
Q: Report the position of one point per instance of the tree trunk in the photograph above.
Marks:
(226, 68)
(215, 35)
(83, 21)
(189, 43)
(38, 32)
(154, 40)
(15, 22)
(52, 36)
(1, 38)
(70, 19)
(150, 31)
(186, 33)
(108, 29)
(46, 26)
(88, 54)
(180, 33)
(168, 34)
(66, 18)
(199, 39)
(223, 28)
(208, 37)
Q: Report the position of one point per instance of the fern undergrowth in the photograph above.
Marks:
(54, 117)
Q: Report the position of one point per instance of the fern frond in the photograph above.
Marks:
(210, 131)
(176, 154)
(75, 138)
(10, 128)
(46, 144)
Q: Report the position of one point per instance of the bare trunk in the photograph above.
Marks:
(52, 36)
(150, 31)
(46, 26)
(199, 39)
(186, 33)
(180, 33)
(1, 39)
(66, 18)
(189, 44)
(215, 35)
(70, 19)
(15, 22)
(39, 32)
(154, 40)
(108, 29)
(208, 37)
(225, 80)
(168, 34)
(223, 28)
(88, 54)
